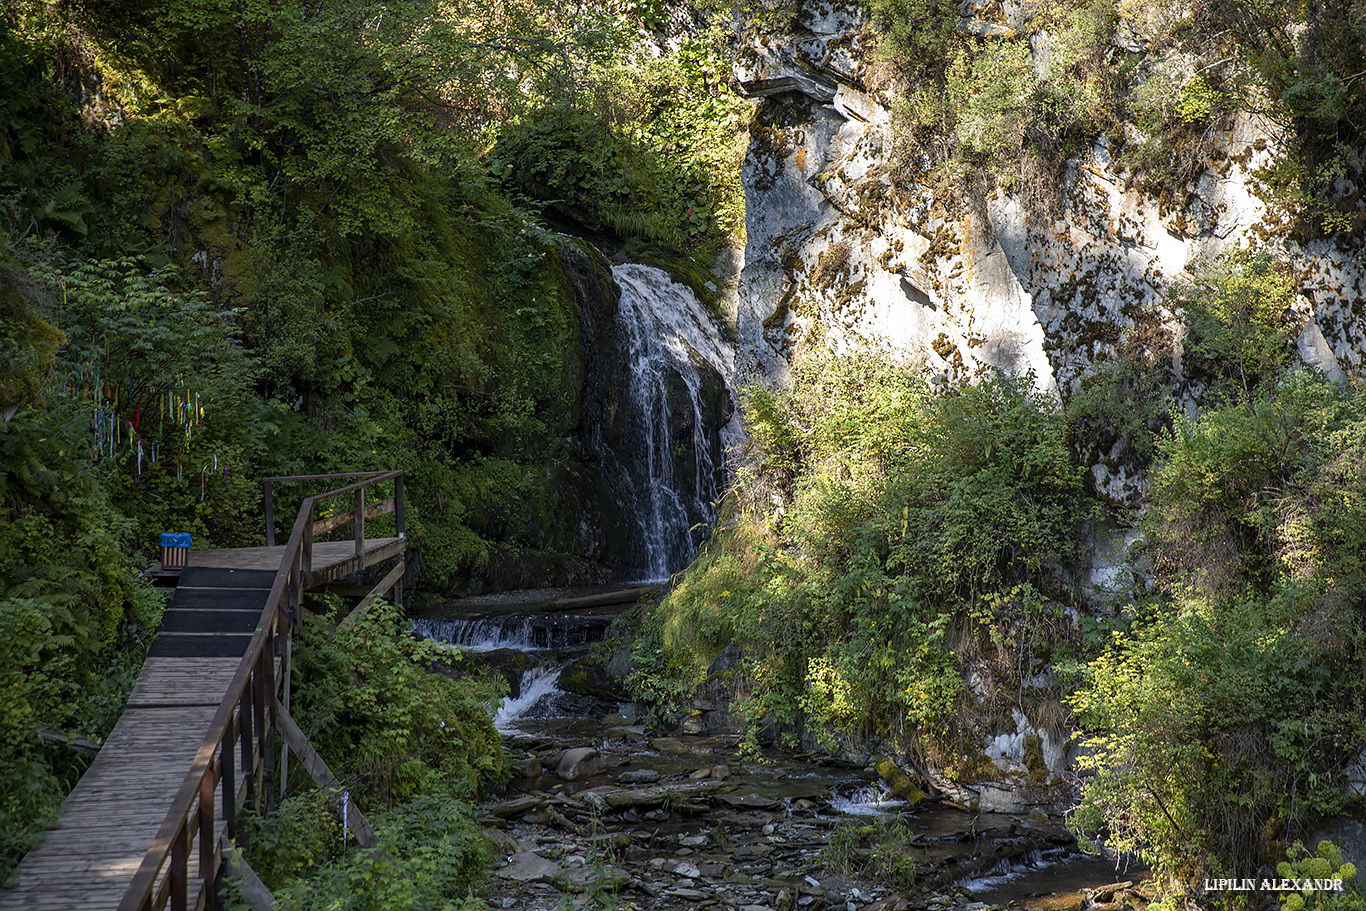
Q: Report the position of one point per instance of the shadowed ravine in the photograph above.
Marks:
(605, 805)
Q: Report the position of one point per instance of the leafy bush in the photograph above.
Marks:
(1242, 326)
(412, 745)
(430, 856)
(385, 721)
(1325, 863)
(1119, 410)
(649, 152)
(909, 528)
(879, 849)
(73, 614)
(1221, 723)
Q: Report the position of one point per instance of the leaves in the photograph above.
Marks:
(909, 522)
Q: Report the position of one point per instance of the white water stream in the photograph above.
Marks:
(539, 686)
(670, 339)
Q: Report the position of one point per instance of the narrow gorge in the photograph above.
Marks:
(858, 454)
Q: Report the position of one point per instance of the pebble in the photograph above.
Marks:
(692, 894)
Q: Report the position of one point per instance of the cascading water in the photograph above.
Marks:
(680, 386)
(487, 635)
(539, 686)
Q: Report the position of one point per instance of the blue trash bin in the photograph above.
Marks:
(175, 550)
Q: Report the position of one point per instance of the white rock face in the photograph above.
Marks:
(832, 249)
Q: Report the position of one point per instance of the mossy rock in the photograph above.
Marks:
(902, 785)
(1033, 758)
(28, 344)
(587, 677)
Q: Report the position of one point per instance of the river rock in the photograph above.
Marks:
(587, 677)
(689, 894)
(529, 867)
(527, 768)
(580, 762)
(674, 747)
(517, 806)
(749, 801)
(683, 868)
(901, 784)
(603, 876)
(639, 776)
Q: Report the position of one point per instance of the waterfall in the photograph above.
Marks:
(679, 365)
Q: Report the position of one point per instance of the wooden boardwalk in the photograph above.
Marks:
(112, 817)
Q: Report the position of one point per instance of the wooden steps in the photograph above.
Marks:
(87, 859)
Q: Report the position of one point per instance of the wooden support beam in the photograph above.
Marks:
(376, 593)
(79, 744)
(347, 589)
(331, 788)
(257, 896)
(332, 523)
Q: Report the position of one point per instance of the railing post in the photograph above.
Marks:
(272, 719)
(208, 870)
(398, 504)
(245, 714)
(258, 710)
(360, 527)
(228, 758)
(178, 873)
(270, 514)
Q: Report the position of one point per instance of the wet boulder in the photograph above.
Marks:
(587, 677)
(901, 784)
(580, 762)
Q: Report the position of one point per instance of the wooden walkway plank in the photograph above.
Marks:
(87, 859)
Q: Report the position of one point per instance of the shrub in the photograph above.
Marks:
(1221, 723)
(907, 524)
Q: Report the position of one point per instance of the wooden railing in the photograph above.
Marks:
(243, 728)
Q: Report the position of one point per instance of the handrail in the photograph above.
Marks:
(246, 717)
(268, 498)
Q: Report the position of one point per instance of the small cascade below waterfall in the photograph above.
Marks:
(530, 651)
(680, 388)
(539, 687)
(520, 633)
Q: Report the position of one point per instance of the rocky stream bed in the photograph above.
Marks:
(606, 813)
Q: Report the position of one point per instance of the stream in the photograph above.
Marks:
(606, 812)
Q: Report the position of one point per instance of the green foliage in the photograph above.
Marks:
(412, 745)
(913, 526)
(1003, 109)
(1222, 721)
(1224, 727)
(28, 344)
(135, 338)
(71, 603)
(1243, 329)
(392, 727)
(1325, 864)
(430, 856)
(880, 850)
(650, 153)
(985, 101)
(1119, 410)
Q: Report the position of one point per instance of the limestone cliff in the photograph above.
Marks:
(839, 246)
